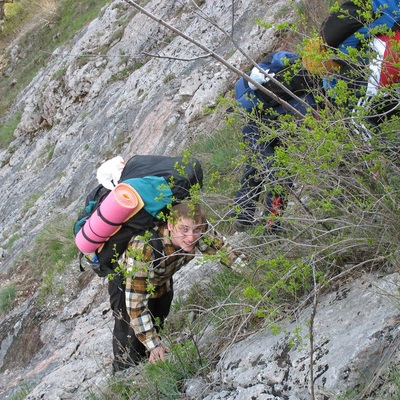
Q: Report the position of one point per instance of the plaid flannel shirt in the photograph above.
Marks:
(151, 280)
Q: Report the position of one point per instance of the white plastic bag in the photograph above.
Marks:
(109, 173)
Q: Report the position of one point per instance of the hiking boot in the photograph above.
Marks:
(274, 228)
(272, 223)
(243, 220)
(241, 225)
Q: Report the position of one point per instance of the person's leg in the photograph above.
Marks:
(247, 196)
(127, 349)
(276, 192)
(159, 308)
(256, 180)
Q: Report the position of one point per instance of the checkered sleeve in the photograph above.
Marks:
(214, 243)
(137, 296)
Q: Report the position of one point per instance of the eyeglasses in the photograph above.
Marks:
(188, 231)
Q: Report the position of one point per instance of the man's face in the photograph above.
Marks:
(185, 233)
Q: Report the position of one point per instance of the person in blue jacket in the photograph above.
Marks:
(258, 176)
(350, 26)
(371, 27)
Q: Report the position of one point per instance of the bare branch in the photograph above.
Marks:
(251, 60)
(231, 67)
(174, 58)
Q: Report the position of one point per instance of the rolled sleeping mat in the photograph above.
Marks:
(121, 204)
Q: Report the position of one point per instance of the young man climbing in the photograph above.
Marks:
(142, 299)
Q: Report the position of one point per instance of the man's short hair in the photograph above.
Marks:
(188, 209)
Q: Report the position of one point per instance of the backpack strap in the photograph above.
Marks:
(157, 245)
(90, 262)
(102, 270)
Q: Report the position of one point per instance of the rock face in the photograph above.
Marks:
(355, 328)
(125, 85)
(355, 332)
(89, 104)
(75, 350)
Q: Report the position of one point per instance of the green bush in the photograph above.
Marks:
(7, 296)
(53, 250)
(7, 130)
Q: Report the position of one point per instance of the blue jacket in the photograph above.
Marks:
(345, 33)
(276, 62)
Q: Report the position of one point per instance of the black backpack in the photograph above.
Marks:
(181, 174)
(279, 63)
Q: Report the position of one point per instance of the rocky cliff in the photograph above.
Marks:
(126, 85)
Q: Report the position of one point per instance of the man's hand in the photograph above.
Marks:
(157, 354)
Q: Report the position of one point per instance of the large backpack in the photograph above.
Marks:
(148, 175)
(378, 35)
(278, 63)
(348, 27)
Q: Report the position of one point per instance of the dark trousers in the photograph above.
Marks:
(258, 172)
(127, 349)
(259, 168)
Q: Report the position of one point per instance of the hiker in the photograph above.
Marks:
(263, 111)
(353, 25)
(143, 187)
(141, 301)
(372, 28)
